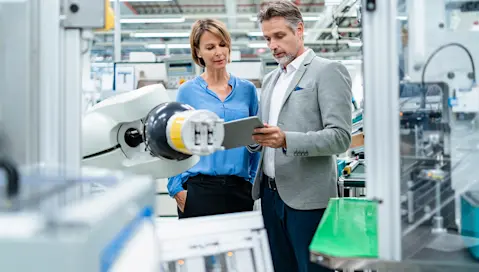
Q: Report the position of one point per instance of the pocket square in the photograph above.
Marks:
(297, 88)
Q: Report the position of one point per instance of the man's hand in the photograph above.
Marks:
(270, 136)
(181, 200)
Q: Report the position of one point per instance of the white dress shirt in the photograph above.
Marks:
(279, 90)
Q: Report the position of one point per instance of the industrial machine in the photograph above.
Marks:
(67, 225)
(419, 213)
(180, 69)
(141, 132)
(425, 152)
(236, 242)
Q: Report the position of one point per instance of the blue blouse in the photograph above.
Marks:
(240, 103)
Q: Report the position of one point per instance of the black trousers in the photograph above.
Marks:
(210, 195)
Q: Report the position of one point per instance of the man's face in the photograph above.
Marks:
(283, 42)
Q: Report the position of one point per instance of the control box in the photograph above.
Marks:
(84, 14)
(180, 70)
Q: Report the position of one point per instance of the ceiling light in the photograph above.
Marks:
(152, 20)
(309, 18)
(155, 46)
(255, 34)
(355, 43)
(305, 18)
(143, 0)
(161, 35)
(170, 46)
(260, 34)
(257, 45)
(332, 2)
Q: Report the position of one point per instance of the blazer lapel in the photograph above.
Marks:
(298, 75)
(268, 94)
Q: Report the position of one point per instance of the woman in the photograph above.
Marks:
(219, 183)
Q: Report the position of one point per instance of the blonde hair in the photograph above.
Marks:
(213, 26)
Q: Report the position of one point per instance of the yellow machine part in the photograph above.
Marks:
(347, 171)
(175, 135)
(109, 17)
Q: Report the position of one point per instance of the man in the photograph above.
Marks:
(306, 107)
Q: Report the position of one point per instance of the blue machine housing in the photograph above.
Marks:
(470, 218)
(341, 165)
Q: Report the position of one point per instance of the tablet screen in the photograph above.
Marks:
(239, 132)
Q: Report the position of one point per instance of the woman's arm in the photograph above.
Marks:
(175, 183)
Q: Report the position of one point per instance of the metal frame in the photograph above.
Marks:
(71, 109)
(381, 121)
(41, 109)
(49, 82)
(117, 32)
(19, 111)
(43, 85)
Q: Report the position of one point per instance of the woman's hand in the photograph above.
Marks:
(181, 200)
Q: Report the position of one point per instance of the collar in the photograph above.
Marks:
(296, 63)
(202, 82)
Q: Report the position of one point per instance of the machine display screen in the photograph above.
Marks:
(181, 69)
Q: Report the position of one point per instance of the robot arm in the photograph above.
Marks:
(143, 133)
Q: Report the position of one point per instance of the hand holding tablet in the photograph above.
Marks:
(270, 136)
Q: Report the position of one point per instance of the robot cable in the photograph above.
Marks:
(471, 76)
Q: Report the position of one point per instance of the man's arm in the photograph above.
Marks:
(334, 98)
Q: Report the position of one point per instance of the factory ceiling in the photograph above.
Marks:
(163, 27)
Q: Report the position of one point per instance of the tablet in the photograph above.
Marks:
(239, 132)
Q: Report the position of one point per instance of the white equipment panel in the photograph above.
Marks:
(180, 70)
(245, 69)
(231, 242)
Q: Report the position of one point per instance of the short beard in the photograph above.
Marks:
(288, 58)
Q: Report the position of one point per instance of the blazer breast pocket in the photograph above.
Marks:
(302, 92)
(304, 87)
(305, 99)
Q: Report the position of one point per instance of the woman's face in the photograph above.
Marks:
(213, 51)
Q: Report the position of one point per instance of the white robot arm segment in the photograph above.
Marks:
(143, 133)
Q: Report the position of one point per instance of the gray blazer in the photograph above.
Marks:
(316, 118)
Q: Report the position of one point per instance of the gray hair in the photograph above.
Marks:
(286, 9)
